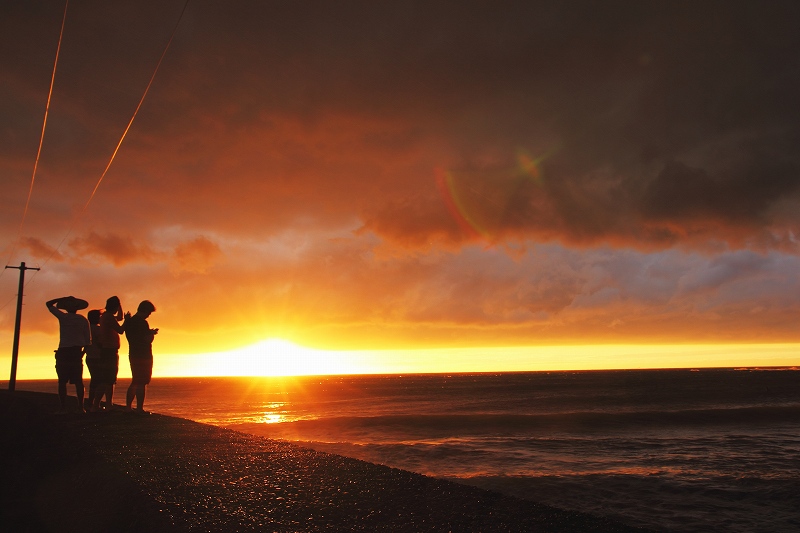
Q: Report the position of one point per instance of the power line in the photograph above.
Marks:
(124, 133)
(116, 149)
(41, 140)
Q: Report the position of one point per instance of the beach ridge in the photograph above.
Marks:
(127, 472)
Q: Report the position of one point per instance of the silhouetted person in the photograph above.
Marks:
(93, 354)
(110, 328)
(140, 346)
(74, 337)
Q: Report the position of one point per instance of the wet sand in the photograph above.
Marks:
(123, 472)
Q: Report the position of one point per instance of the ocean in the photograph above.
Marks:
(711, 450)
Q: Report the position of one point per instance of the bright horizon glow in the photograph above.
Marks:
(270, 358)
(277, 357)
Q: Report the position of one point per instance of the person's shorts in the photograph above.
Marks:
(69, 364)
(107, 366)
(93, 364)
(141, 370)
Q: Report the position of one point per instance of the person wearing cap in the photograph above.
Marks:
(74, 337)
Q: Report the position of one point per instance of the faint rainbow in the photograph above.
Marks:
(446, 185)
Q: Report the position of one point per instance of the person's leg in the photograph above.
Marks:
(90, 364)
(79, 390)
(102, 391)
(115, 370)
(109, 397)
(98, 394)
(101, 380)
(140, 397)
(129, 396)
(92, 391)
(62, 392)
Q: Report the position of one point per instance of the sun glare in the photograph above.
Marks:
(272, 357)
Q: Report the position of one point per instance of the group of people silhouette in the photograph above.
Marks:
(98, 337)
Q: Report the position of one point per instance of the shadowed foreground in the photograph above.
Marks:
(127, 472)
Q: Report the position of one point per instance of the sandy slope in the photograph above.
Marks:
(126, 472)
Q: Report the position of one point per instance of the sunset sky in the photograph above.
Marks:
(408, 186)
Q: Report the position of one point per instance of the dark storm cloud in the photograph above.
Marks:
(671, 122)
(652, 122)
(680, 192)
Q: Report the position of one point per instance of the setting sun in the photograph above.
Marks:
(272, 357)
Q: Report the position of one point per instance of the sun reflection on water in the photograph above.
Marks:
(272, 418)
(274, 413)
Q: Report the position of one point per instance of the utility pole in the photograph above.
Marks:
(12, 382)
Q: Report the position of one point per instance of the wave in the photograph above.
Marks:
(661, 502)
(416, 426)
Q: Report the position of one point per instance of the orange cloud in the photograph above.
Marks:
(40, 249)
(196, 256)
(118, 249)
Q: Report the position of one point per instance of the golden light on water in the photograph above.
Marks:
(274, 413)
(272, 418)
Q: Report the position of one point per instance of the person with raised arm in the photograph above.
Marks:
(110, 329)
(74, 337)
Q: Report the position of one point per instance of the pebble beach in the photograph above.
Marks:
(118, 471)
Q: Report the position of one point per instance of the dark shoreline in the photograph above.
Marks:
(127, 472)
